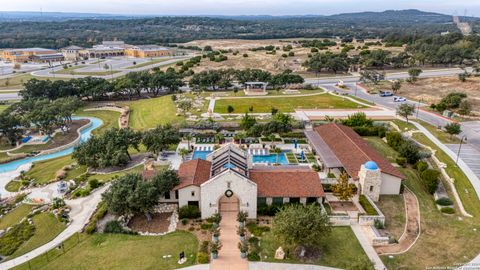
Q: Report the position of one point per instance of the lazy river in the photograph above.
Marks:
(84, 136)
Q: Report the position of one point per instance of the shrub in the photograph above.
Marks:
(253, 257)
(444, 201)
(421, 166)
(401, 161)
(189, 211)
(99, 213)
(430, 180)
(203, 258)
(367, 206)
(394, 139)
(15, 237)
(114, 226)
(184, 221)
(448, 210)
(204, 246)
(268, 210)
(409, 150)
(256, 230)
(206, 226)
(94, 183)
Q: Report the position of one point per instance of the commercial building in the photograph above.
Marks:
(72, 53)
(28, 54)
(147, 51)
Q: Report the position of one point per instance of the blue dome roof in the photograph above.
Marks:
(371, 165)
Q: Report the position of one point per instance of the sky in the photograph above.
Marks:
(239, 7)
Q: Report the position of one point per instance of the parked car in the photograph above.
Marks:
(399, 99)
(385, 93)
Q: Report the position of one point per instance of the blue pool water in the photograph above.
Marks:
(200, 154)
(282, 159)
(85, 135)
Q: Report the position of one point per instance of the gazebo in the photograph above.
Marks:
(256, 88)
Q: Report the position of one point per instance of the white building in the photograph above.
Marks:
(227, 181)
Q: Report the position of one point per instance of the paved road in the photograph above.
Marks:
(9, 96)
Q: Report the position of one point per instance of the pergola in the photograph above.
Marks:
(256, 88)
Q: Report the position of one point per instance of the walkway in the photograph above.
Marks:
(286, 266)
(367, 247)
(229, 254)
(412, 228)
(81, 211)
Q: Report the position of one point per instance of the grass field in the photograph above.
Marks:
(13, 186)
(457, 237)
(14, 217)
(120, 251)
(149, 63)
(379, 145)
(285, 104)
(72, 71)
(148, 113)
(342, 242)
(393, 207)
(404, 126)
(3, 107)
(44, 171)
(47, 227)
(109, 118)
(439, 133)
(18, 80)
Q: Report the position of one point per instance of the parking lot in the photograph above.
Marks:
(470, 155)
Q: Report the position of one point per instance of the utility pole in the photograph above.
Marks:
(460, 147)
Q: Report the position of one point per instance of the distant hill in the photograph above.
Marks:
(56, 30)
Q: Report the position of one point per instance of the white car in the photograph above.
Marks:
(399, 99)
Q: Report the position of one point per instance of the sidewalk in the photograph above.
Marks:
(367, 247)
(229, 254)
(82, 209)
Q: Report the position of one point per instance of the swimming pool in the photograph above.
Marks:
(272, 158)
(84, 136)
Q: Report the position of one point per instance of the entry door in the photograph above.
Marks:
(229, 204)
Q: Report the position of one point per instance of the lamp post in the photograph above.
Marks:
(460, 147)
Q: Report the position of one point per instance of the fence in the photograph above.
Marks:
(51, 255)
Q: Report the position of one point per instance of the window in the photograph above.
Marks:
(295, 200)
(277, 200)
(311, 200)
(371, 188)
(176, 194)
(261, 201)
(167, 195)
(193, 203)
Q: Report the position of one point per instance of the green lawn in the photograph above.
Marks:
(18, 80)
(149, 63)
(285, 104)
(15, 216)
(404, 126)
(119, 251)
(47, 227)
(71, 71)
(44, 171)
(148, 113)
(109, 176)
(393, 207)
(440, 134)
(3, 107)
(13, 186)
(379, 145)
(341, 243)
(109, 118)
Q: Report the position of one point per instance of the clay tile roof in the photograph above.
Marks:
(287, 182)
(193, 172)
(352, 150)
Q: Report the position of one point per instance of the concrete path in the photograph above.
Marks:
(367, 247)
(286, 266)
(81, 211)
(211, 104)
(412, 228)
(229, 255)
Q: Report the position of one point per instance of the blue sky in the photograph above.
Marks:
(239, 7)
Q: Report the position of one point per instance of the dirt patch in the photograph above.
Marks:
(158, 224)
(194, 226)
(342, 206)
(432, 90)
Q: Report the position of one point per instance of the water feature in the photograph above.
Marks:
(84, 136)
(271, 158)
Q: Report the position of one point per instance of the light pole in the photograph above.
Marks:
(460, 147)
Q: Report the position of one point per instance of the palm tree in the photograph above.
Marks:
(188, 137)
(240, 136)
(277, 151)
(219, 137)
(183, 153)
